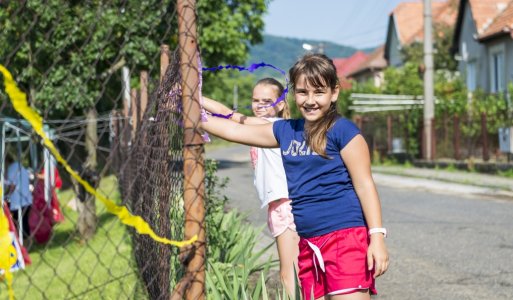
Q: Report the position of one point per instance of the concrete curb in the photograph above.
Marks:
(439, 185)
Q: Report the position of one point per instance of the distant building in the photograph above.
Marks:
(483, 44)
(371, 68)
(347, 65)
(406, 26)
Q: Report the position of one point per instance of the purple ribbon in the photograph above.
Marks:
(251, 69)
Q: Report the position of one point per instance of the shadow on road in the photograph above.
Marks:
(226, 164)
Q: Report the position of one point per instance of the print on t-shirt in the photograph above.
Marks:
(297, 148)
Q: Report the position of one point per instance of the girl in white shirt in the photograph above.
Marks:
(270, 180)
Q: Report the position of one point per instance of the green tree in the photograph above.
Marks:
(65, 54)
(403, 81)
(220, 86)
(442, 57)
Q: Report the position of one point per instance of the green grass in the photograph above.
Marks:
(102, 268)
(507, 173)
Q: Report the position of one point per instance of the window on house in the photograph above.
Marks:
(471, 76)
(497, 70)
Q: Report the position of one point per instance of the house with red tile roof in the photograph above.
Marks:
(346, 65)
(371, 68)
(483, 44)
(406, 26)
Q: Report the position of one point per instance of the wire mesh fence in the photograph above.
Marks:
(109, 94)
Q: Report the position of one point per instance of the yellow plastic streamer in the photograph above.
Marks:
(19, 102)
(7, 251)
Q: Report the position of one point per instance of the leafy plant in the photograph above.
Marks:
(231, 258)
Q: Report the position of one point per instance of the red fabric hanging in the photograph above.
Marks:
(58, 216)
(41, 219)
(58, 180)
(56, 209)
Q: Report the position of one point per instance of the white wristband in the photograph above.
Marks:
(378, 230)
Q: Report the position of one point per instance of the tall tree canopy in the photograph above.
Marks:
(65, 54)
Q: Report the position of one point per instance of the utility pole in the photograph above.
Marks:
(429, 111)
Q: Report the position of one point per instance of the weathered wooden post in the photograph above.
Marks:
(193, 283)
(484, 137)
(456, 137)
(86, 204)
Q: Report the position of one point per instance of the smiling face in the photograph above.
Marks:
(313, 102)
(264, 95)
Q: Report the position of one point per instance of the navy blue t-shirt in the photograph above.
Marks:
(322, 193)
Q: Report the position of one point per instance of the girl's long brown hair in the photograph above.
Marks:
(320, 72)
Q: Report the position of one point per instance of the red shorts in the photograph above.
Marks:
(335, 263)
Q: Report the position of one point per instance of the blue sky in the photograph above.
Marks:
(357, 23)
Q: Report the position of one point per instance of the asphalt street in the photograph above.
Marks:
(446, 240)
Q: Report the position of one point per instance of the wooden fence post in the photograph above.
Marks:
(143, 103)
(193, 282)
(164, 60)
(389, 134)
(134, 108)
(456, 137)
(86, 204)
(484, 136)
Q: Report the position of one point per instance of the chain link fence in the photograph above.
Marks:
(109, 93)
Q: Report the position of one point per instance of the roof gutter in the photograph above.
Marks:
(505, 31)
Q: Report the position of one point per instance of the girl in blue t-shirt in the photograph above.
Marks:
(270, 180)
(335, 203)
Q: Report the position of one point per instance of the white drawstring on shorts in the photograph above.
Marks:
(318, 254)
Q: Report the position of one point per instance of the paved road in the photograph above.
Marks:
(234, 163)
(445, 246)
(447, 241)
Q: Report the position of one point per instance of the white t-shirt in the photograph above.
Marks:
(269, 176)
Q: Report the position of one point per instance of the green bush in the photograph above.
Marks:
(232, 262)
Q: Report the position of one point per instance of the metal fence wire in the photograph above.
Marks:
(109, 92)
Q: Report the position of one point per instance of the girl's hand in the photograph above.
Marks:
(377, 254)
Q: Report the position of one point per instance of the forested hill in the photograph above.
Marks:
(282, 52)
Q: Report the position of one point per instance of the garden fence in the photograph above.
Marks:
(108, 86)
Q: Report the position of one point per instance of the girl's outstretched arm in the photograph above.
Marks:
(253, 135)
(217, 107)
(357, 160)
